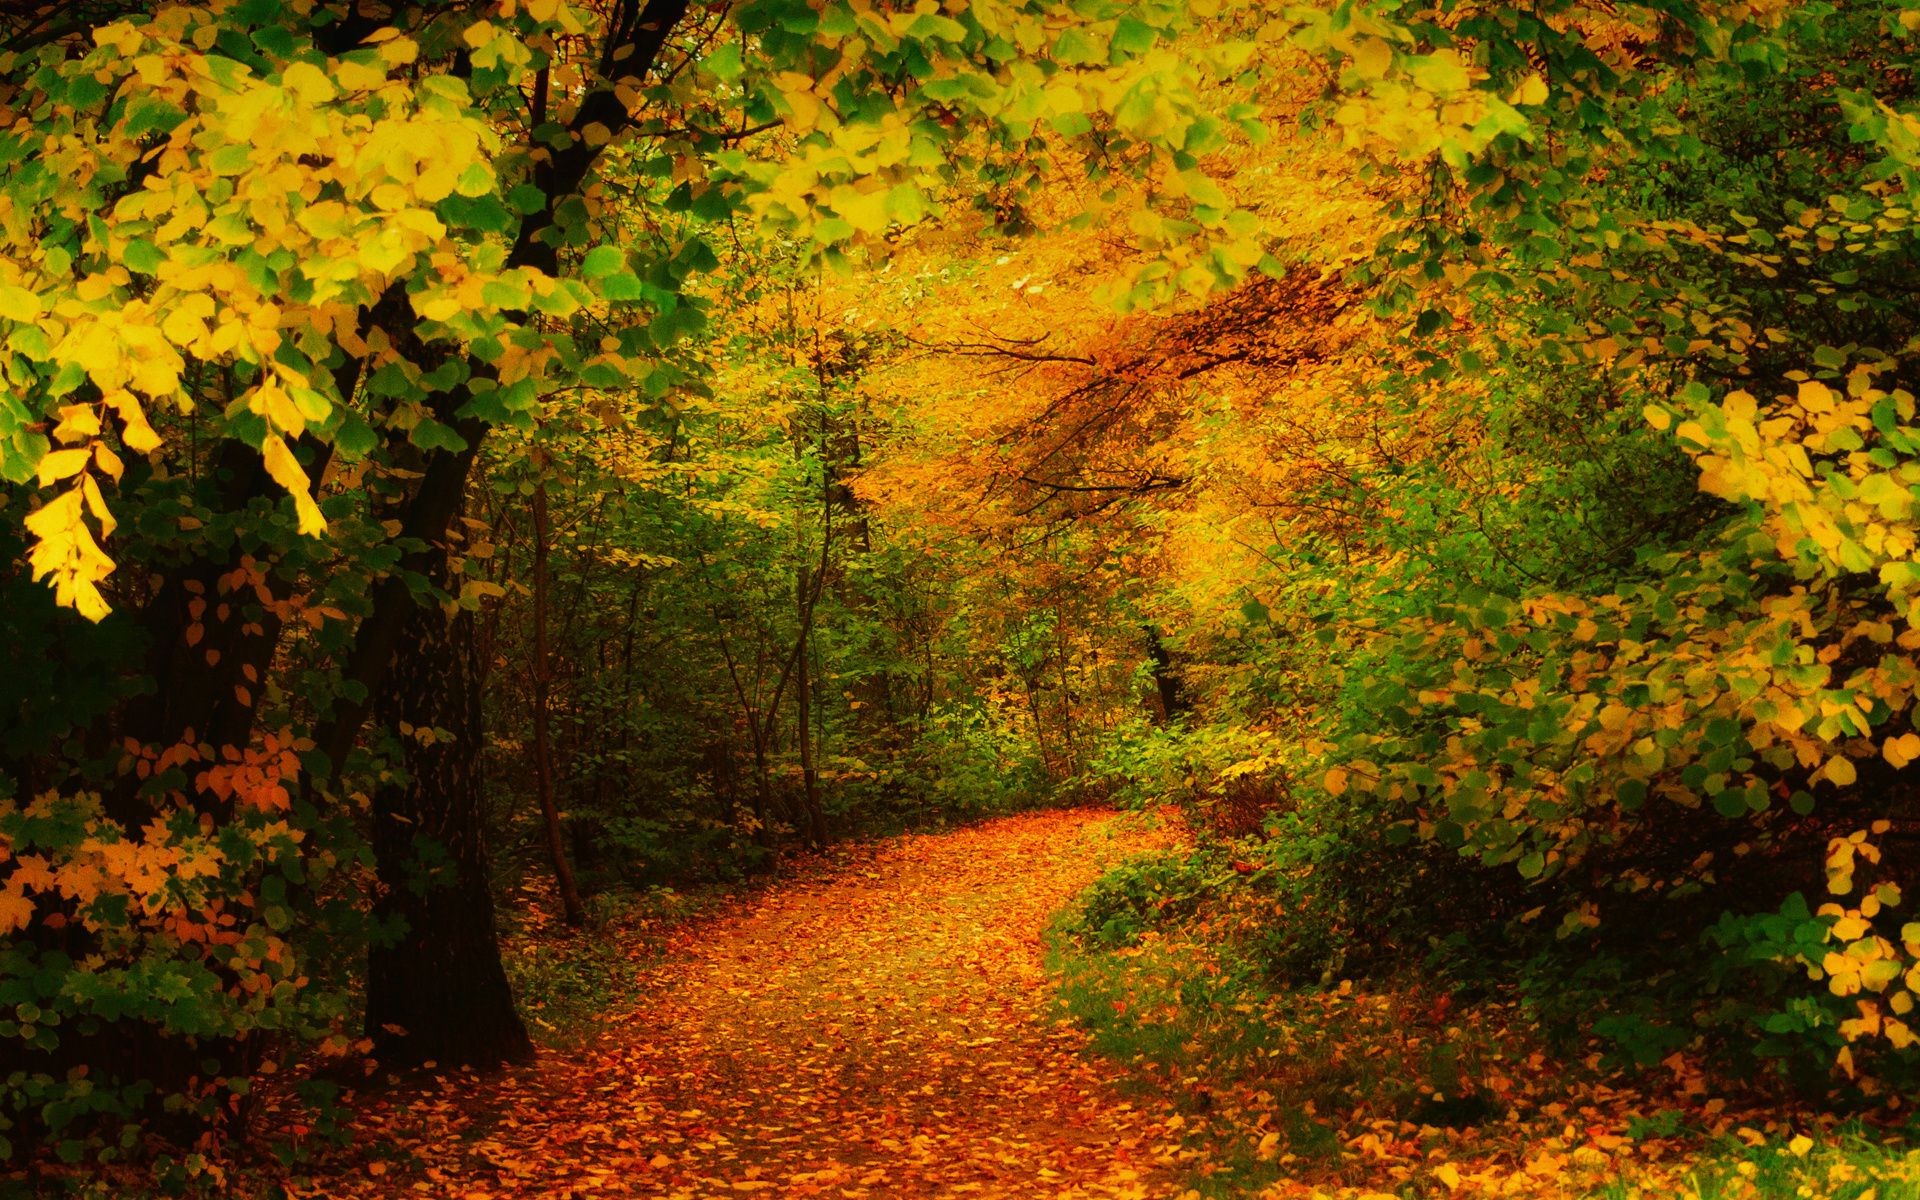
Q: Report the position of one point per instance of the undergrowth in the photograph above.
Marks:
(565, 980)
(1410, 1085)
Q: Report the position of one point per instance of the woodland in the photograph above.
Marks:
(896, 598)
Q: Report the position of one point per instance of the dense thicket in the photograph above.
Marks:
(1535, 550)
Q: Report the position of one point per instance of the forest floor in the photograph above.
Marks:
(883, 1025)
(901, 1019)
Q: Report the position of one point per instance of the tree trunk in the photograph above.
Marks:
(803, 726)
(1061, 647)
(542, 745)
(762, 789)
(1039, 728)
(1173, 699)
(438, 994)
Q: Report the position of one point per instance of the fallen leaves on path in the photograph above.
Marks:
(884, 1028)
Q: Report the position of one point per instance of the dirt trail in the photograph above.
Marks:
(881, 1030)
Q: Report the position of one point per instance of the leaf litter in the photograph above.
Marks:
(883, 1026)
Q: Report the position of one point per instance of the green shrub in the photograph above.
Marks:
(1143, 892)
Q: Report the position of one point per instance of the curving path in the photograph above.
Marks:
(881, 1029)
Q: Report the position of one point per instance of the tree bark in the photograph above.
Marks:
(1173, 698)
(1061, 646)
(542, 744)
(803, 725)
(441, 986)
(438, 994)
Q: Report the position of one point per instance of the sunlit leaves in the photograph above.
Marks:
(287, 472)
(276, 202)
(66, 555)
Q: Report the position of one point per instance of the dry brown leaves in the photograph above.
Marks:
(881, 1029)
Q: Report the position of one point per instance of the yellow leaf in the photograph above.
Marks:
(308, 82)
(78, 422)
(1372, 57)
(357, 77)
(271, 401)
(183, 327)
(97, 505)
(1841, 771)
(134, 430)
(159, 375)
(1336, 782)
(439, 308)
(1448, 1174)
(865, 211)
(1816, 397)
(287, 472)
(64, 552)
(399, 51)
(797, 90)
(1800, 1145)
(108, 461)
(63, 464)
(1532, 90)
(18, 304)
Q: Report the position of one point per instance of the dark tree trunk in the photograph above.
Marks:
(1173, 696)
(762, 789)
(438, 994)
(1061, 648)
(542, 744)
(803, 699)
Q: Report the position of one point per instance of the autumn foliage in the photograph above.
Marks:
(465, 469)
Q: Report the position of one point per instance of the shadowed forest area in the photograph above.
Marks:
(909, 598)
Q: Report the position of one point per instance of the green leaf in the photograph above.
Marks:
(142, 256)
(934, 26)
(149, 114)
(355, 438)
(1131, 37)
(725, 63)
(527, 199)
(602, 261)
(622, 286)
(230, 160)
(1074, 48)
(430, 434)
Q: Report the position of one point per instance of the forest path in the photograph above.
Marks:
(882, 1028)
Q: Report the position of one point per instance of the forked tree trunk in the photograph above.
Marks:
(439, 993)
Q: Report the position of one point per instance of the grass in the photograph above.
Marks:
(1850, 1163)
